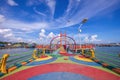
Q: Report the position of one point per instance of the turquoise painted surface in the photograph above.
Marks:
(60, 76)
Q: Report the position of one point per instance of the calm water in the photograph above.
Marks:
(106, 54)
(17, 55)
(109, 55)
(15, 51)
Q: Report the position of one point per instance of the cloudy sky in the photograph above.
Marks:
(41, 20)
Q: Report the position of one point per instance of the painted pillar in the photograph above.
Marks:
(3, 63)
(92, 53)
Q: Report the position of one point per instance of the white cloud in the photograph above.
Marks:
(38, 12)
(72, 6)
(24, 26)
(2, 18)
(51, 4)
(7, 35)
(5, 31)
(42, 34)
(33, 2)
(20, 39)
(94, 38)
(43, 30)
(45, 38)
(86, 38)
(12, 3)
(77, 10)
(90, 9)
(51, 35)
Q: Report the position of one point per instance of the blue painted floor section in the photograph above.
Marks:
(60, 76)
(41, 62)
(84, 62)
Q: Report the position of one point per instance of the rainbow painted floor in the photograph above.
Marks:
(62, 68)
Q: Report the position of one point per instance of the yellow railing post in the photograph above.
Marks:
(82, 51)
(3, 63)
(92, 53)
(43, 53)
(34, 54)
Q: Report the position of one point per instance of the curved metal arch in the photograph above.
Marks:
(60, 36)
(63, 40)
(66, 41)
(57, 42)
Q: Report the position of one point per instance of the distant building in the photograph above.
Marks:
(2, 45)
(32, 45)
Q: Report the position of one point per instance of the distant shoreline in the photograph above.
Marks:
(1, 48)
(13, 48)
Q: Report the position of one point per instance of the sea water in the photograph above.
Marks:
(16, 55)
(110, 55)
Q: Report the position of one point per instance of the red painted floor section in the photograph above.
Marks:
(63, 67)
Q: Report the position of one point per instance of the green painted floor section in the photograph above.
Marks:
(61, 60)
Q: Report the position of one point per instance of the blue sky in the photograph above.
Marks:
(41, 20)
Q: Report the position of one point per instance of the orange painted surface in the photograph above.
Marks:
(12, 68)
(30, 60)
(96, 60)
(117, 70)
(105, 64)
(39, 46)
(24, 63)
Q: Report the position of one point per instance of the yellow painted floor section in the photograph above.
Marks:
(83, 58)
(41, 59)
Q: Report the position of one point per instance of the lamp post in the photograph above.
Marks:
(79, 28)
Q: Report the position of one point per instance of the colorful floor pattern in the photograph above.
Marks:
(83, 58)
(83, 62)
(41, 62)
(54, 71)
(44, 58)
(60, 76)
